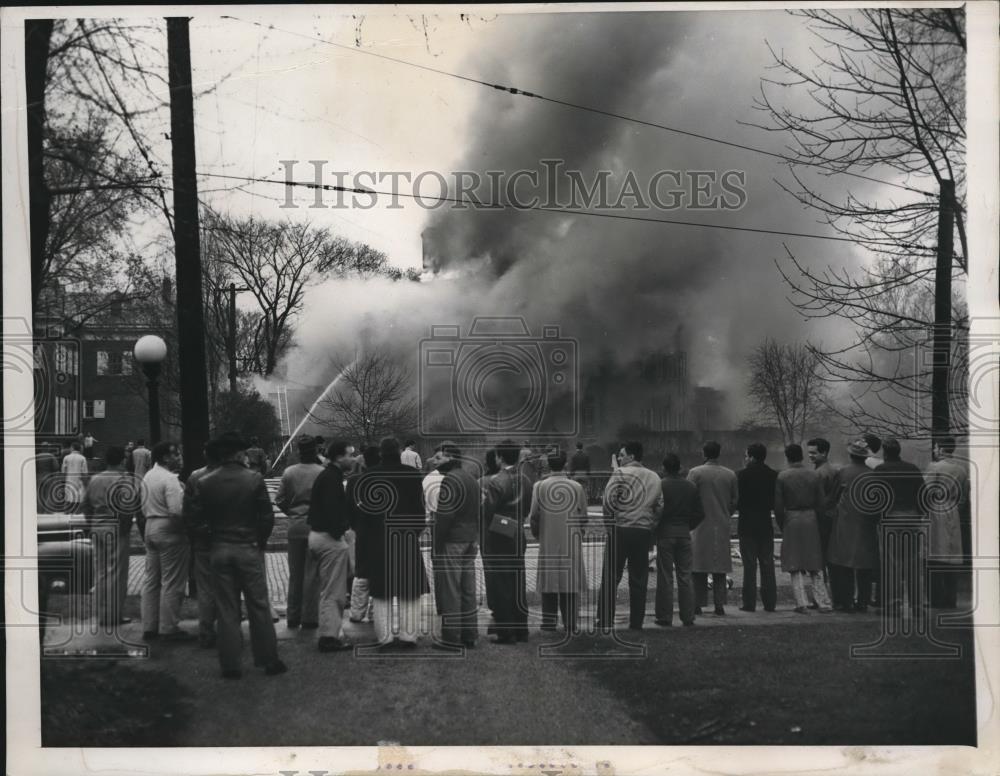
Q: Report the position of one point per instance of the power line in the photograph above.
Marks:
(589, 109)
(564, 211)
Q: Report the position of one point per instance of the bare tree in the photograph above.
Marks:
(276, 262)
(886, 102)
(786, 387)
(373, 398)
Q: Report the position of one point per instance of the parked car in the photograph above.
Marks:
(65, 559)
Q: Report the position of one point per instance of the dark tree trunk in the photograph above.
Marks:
(37, 33)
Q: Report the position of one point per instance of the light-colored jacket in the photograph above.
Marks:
(947, 488)
(633, 497)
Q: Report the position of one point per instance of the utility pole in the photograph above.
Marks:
(940, 409)
(232, 340)
(190, 319)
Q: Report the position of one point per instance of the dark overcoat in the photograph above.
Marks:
(389, 518)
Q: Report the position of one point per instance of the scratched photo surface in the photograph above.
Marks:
(483, 377)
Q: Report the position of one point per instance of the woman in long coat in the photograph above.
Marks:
(710, 546)
(558, 515)
(853, 551)
(390, 497)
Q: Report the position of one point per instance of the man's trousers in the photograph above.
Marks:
(455, 591)
(851, 587)
(303, 583)
(674, 553)
(110, 543)
(331, 558)
(503, 565)
(700, 579)
(758, 551)
(624, 546)
(565, 603)
(168, 553)
(207, 610)
(239, 569)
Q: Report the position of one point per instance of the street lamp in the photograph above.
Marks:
(149, 352)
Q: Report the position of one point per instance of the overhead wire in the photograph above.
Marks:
(587, 108)
(564, 211)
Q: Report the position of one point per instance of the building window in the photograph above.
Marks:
(114, 362)
(93, 409)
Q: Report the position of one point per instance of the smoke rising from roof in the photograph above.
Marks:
(620, 288)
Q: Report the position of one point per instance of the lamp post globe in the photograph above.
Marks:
(150, 351)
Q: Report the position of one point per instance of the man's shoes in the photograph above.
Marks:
(859, 607)
(310, 625)
(697, 610)
(275, 668)
(232, 674)
(331, 644)
(813, 605)
(292, 624)
(124, 620)
(825, 610)
(150, 635)
(720, 611)
(768, 608)
(800, 610)
(748, 609)
(356, 620)
(469, 643)
(689, 623)
(635, 627)
(664, 623)
(177, 636)
(505, 640)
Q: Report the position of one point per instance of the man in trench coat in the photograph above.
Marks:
(719, 493)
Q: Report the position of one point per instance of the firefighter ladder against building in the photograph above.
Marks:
(283, 419)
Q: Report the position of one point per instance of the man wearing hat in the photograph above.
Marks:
(293, 498)
(853, 550)
(231, 504)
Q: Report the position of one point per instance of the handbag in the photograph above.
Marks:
(505, 526)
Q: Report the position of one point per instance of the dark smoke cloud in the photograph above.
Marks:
(620, 288)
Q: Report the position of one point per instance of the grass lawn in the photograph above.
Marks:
(762, 684)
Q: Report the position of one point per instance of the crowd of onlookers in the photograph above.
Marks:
(356, 523)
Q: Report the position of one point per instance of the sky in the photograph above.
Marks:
(272, 88)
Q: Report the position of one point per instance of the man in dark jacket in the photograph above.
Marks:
(756, 533)
(230, 505)
(456, 542)
(903, 561)
(681, 512)
(390, 497)
(201, 547)
(329, 518)
(507, 504)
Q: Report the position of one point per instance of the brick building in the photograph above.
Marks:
(86, 378)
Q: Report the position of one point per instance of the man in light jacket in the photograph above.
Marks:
(633, 501)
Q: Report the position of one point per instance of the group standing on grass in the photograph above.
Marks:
(355, 525)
